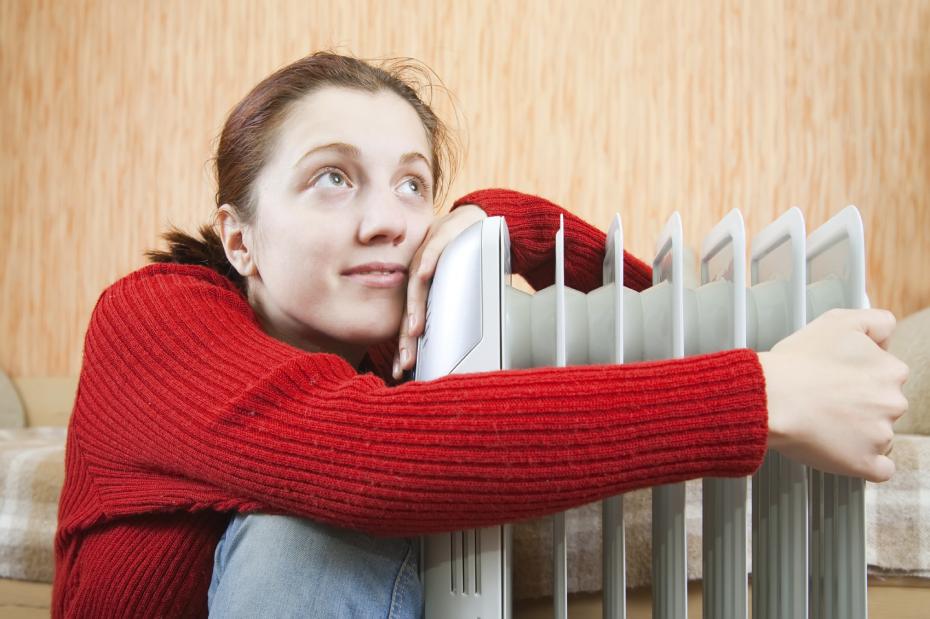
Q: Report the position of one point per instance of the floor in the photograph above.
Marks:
(894, 600)
(890, 600)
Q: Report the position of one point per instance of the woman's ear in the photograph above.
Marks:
(237, 241)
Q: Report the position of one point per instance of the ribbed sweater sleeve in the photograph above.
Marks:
(185, 404)
(533, 221)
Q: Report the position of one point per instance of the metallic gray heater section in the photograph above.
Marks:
(836, 272)
(665, 302)
(721, 320)
(571, 337)
(724, 547)
(614, 559)
(477, 322)
(669, 552)
(779, 489)
(839, 584)
(467, 574)
(613, 544)
(559, 545)
(559, 568)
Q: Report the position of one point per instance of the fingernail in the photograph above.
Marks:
(404, 356)
(411, 321)
(396, 370)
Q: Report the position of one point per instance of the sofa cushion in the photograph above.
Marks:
(32, 472)
(911, 344)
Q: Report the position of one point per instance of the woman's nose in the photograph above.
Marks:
(383, 220)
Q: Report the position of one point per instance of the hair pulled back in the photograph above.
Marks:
(248, 135)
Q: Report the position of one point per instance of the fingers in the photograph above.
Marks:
(878, 324)
(419, 276)
(881, 467)
(882, 470)
(404, 345)
(898, 405)
(903, 371)
(418, 286)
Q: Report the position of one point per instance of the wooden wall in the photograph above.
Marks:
(109, 111)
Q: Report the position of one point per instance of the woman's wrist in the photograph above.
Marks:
(779, 431)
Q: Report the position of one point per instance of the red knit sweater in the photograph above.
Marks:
(186, 412)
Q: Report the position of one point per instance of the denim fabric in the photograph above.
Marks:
(283, 566)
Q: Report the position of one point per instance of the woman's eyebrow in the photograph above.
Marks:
(354, 153)
(346, 149)
(408, 157)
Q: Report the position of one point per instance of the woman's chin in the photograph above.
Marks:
(371, 334)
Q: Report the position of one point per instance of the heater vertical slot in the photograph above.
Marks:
(721, 321)
(836, 278)
(613, 539)
(667, 341)
(780, 490)
(559, 547)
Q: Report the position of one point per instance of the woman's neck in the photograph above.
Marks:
(285, 329)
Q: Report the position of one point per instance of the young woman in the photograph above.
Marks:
(240, 444)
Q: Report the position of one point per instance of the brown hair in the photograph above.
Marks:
(247, 137)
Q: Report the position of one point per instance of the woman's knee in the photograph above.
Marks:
(266, 561)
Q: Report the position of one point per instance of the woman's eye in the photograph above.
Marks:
(414, 185)
(331, 179)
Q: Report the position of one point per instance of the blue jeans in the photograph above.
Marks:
(284, 566)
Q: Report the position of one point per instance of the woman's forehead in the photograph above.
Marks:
(378, 125)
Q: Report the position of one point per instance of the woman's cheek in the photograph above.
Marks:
(425, 222)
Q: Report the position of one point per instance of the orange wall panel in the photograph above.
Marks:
(110, 111)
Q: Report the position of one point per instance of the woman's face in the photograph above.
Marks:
(343, 203)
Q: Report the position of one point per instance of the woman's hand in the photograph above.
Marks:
(421, 271)
(834, 394)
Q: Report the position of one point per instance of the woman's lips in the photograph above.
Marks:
(378, 280)
(378, 274)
